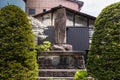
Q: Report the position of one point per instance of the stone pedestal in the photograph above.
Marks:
(63, 47)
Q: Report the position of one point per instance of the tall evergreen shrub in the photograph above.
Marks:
(104, 56)
(17, 48)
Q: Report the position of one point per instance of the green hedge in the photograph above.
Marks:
(17, 48)
(104, 56)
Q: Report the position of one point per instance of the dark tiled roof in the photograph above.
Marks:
(68, 9)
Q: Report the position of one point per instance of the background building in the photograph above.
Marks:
(38, 6)
(19, 3)
(79, 27)
(74, 18)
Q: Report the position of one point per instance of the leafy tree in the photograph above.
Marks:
(104, 55)
(17, 47)
(38, 29)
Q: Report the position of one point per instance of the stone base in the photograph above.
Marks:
(63, 47)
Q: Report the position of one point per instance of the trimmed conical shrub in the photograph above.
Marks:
(104, 55)
(17, 47)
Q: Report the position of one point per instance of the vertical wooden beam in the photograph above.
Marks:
(52, 19)
(74, 20)
(88, 22)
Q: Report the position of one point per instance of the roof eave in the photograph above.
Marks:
(58, 7)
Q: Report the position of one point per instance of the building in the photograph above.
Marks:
(45, 11)
(81, 22)
(34, 7)
(19, 3)
(74, 18)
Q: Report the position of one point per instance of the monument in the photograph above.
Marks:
(60, 31)
(60, 26)
(60, 37)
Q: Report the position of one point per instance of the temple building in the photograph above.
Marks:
(45, 11)
(75, 19)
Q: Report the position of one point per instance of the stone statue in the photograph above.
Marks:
(60, 26)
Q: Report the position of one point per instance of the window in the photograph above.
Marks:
(80, 21)
(91, 23)
(91, 31)
(31, 11)
(69, 19)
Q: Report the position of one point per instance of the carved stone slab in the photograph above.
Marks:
(60, 26)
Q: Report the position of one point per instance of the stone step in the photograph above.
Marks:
(57, 72)
(61, 70)
(55, 78)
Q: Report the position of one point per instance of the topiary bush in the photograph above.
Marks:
(17, 47)
(104, 55)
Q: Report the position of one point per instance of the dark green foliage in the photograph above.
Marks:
(80, 75)
(104, 56)
(17, 48)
